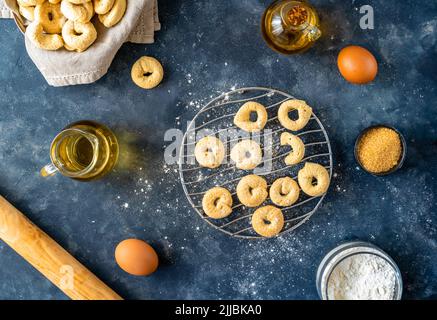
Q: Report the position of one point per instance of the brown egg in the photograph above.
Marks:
(357, 65)
(136, 257)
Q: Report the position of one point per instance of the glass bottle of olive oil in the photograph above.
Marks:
(290, 26)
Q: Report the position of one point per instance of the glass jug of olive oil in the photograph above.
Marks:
(290, 26)
(84, 150)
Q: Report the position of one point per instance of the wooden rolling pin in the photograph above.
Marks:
(49, 258)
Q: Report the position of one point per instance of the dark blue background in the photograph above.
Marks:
(206, 48)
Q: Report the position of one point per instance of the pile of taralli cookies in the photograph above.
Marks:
(56, 24)
(253, 190)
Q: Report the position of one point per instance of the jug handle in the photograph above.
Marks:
(314, 33)
(48, 171)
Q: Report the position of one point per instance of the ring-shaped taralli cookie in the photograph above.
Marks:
(217, 203)
(147, 72)
(113, 16)
(252, 190)
(313, 179)
(29, 3)
(103, 6)
(209, 152)
(42, 40)
(66, 46)
(304, 114)
(50, 17)
(242, 118)
(284, 192)
(27, 12)
(268, 221)
(297, 148)
(79, 36)
(77, 12)
(246, 154)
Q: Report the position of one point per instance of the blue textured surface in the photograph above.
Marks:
(206, 48)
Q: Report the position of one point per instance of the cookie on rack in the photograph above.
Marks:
(268, 221)
(246, 154)
(313, 179)
(304, 114)
(252, 190)
(209, 152)
(284, 192)
(297, 148)
(243, 117)
(217, 203)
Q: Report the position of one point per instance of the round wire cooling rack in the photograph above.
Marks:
(216, 118)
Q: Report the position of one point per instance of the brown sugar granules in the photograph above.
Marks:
(379, 149)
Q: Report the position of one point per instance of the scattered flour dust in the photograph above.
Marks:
(362, 277)
(140, 193)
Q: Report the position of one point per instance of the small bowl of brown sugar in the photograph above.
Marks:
(380, 150)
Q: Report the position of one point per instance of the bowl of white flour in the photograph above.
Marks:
(358, 271)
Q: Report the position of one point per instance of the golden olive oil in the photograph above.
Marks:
(85, 150)
(290, 26)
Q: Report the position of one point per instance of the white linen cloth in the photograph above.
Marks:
(62, 67)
